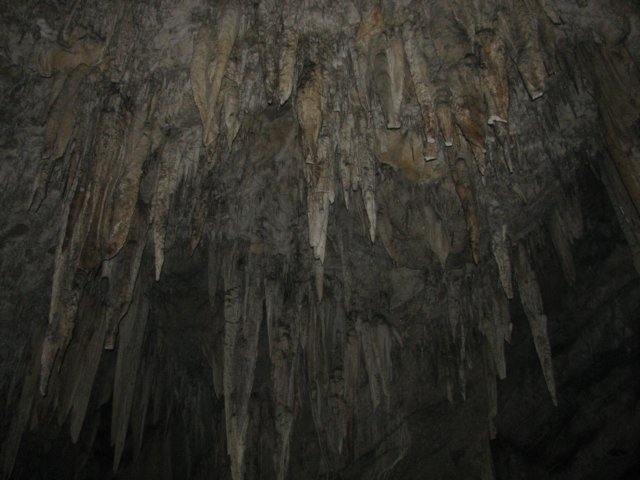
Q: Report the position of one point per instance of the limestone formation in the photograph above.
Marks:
(268, 239)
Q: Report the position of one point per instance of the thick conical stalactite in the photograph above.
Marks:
(243, 318)
(532, 303)
(65, 289)
(283, 329)
(495, 325)
(377, 342)
(101, 182)
(462, 181)
(367, 36)
(123, 272)
(128, 171)
(320, 194)
(60, 126)
(530, 53)
(130, 345)
(565, 226)
(415, 47)
(288, 51)
(395, 69)
(495, 82)
(177, 156)
(212, 48)
(437, 235)
(319, 155)
(81, 363)
(502, 255)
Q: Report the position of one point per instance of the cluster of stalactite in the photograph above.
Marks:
(422, 92)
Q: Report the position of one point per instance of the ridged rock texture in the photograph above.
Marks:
(290, 239)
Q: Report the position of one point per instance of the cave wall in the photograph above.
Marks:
(319, 239)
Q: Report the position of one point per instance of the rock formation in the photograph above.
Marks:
(320, 239)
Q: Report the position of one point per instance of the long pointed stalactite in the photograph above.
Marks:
(346, 196)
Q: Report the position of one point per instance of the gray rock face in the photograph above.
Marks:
(320, 239)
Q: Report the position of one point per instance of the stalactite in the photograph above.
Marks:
(345, 156)
(495, 82)
(532, 303)
(351, 379)
(421, 84)
(507, 145)
(123, 272)
(395, 71)
(530, 60)
(495, 325)
(173, 159)
(367, 182)
(102, 182)
(492, 391)
(377, 342)
(445, 120)
(309, 110)
(319, 279)
(282, 322)
(231, 98)
(131, 340)
(243, 317)
(65, 289)
(288, 52)
(319, 164)
(367, 35)
(210, 56)
(83, 381)
(501, 254)
(469, 114)
(116, 121)
(59, 127)
(317, 363)
(128, 173)
(562, 241)
(455, 313)
(251, 88)
(141, 402)
(462, 181)
(268, 14)
(370, 206)
(437, 236)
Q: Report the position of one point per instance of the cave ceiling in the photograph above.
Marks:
(320, 239)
